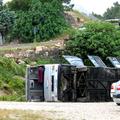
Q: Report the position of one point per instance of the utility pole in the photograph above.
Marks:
(1, 36)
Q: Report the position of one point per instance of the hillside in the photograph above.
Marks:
(12, 84)
(11, 80)
(14, 50)
(76, 19)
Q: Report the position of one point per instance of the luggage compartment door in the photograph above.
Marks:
(51, 83)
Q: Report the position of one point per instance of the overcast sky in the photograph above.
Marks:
(96, 6)
(89, 6)
(4, 1)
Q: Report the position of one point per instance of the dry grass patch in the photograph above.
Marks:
(21, 115)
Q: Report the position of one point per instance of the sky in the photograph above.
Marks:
(4, 1)
(96, 6)
(89, 6)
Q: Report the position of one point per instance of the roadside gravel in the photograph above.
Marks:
(69, 111)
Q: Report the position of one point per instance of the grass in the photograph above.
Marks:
(18, 47)
(26, 115)
(11, 80)
(28, 46)
(20, 115)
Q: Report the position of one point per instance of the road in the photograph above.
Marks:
(70, 111)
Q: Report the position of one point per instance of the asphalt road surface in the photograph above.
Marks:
(69, 111)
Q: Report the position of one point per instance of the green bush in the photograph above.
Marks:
(42, 21)
(98, 38)
(19, 5)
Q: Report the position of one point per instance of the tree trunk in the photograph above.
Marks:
(1, 39)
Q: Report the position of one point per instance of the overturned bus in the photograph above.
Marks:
(71, 82)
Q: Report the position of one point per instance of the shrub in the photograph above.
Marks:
(98, 38)
(42, 21)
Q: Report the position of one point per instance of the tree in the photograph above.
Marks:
(97, 16)
(25, 4)
(113, 12)
(67, 5)
(98, 38)
(42, 21)
(6, 22)
(66, 1)
(16, 5)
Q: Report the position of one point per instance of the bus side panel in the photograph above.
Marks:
(51, 83)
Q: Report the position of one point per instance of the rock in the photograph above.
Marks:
(58, 44)
(46, 54)
(27, 65)
(29, 53)
(2, 93)
(40, 48)
(20, 54)
(20, 61)
(9, 55)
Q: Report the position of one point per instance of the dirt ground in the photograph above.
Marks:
(64, 111)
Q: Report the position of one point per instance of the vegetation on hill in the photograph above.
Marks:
(35, 20)
(98, 38)
(28, 21)
(11, 80)
(80, 18)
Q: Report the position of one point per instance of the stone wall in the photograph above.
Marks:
(48, 50)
